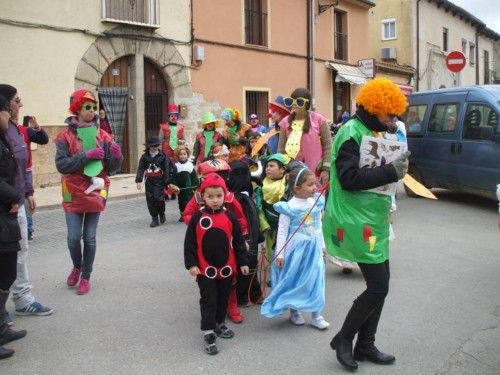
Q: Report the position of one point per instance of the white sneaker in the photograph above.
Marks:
(320, 323)
(296, 319)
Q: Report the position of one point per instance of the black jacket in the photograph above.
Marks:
(350, 175)
(159, 164)
(10, 233)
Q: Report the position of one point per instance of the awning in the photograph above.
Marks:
(407, 90)
(347, 73)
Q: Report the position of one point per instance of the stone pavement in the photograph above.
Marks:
(122, 187)
(442, 315)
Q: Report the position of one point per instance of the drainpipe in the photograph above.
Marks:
(418, 44)
(313, 37)
(308, 45)
(192, 31)
(477, 55)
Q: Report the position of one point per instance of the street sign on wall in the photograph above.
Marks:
(455, 61)
(367, 67)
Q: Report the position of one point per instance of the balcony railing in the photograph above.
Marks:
(135, 12)
(340, 46)
(255, 27)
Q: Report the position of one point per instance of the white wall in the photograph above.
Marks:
(42, 63)
(433, 71)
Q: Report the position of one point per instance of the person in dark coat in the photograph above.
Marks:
(240, 183)
(10, 232)
(158, 170)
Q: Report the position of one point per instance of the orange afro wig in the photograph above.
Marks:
(381, 96)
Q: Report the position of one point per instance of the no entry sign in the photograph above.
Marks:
(455, 61)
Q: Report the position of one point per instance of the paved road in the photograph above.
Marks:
(441, 317)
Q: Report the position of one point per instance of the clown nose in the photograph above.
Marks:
(269, 115)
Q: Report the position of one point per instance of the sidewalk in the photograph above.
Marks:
(122, 187)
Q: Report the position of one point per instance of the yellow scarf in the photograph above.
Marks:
(273, 190)
(292, 146)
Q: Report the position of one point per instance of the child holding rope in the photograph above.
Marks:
(298, 274)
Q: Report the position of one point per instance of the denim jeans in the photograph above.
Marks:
(82, 226)
(29, 217)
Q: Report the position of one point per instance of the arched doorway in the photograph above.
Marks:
(155, 98)
(115, 103)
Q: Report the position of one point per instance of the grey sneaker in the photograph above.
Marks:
(36, 308)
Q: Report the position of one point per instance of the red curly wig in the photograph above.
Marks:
(79, 97)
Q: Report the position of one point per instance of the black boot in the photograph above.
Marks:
(7, 334)
(343, 349)
(367, 350)
(5, 353)
(154, 222)
(162, 218)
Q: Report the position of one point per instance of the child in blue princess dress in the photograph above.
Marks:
(298, 274)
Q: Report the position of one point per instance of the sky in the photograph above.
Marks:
(486, 10)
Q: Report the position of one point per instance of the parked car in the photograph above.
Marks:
(454, 137)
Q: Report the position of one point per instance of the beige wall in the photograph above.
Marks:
(401, 10)
(42, 63)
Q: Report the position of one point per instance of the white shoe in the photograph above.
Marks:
(296, 319)
(320, 323)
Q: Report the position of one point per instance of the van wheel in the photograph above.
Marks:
(414, 173)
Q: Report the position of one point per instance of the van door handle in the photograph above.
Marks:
(459, 148)
(453, 148)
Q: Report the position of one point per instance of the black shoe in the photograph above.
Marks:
(30, 236)
(371, 353)
(162, 219)
(154, 222)
(181, 219)
(209, 342)
(343, 349)
(224, 332)
(5, 353)
(7, 334)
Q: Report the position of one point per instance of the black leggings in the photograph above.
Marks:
(364, 315)
(8, 270)
(214, 296)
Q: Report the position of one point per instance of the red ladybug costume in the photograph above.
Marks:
(214, 243)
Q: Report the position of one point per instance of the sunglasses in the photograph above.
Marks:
(299, 102)
(88, 107)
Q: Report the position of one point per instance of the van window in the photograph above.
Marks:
(443, 118)
(413, 118)
(480, 121)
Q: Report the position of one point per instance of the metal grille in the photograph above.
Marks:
(257, 102)
(255, 23)
(135, 11)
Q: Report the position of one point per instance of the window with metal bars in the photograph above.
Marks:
(257, 102)
(137, 12)
(340, 27)
(256, 22)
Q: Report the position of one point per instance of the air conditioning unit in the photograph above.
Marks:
(388, 53)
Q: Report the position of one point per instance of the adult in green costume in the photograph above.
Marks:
(356, 222)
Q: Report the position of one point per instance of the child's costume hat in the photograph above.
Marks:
(280, 158)
(79, 97)
(154, 141)
(382, 97)
(279, 106)
(172, 109)
(212, 166)
(213, 180)
(207, 118)
(230, 114)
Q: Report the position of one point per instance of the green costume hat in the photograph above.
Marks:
(280, 158)
(207, 118)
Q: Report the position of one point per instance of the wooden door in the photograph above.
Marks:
(156, 98)
(117, 76)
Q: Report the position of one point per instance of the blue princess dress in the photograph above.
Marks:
(300, 284)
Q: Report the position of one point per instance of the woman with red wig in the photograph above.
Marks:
(85, 156)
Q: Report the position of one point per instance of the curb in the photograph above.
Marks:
(56, 206)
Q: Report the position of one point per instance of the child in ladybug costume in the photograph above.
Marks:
(214, 250)
(231, 203)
